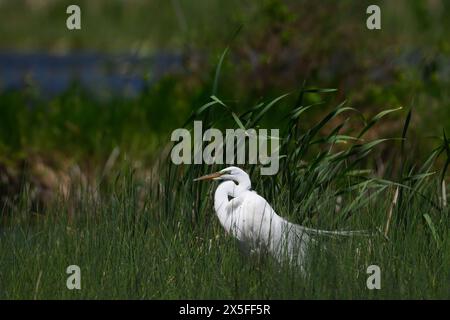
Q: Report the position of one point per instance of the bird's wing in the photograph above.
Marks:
(271, 230)
(259, 221)
(282, 238)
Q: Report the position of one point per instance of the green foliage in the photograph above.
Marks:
(153, 233)
(157, 237)
(81, 127)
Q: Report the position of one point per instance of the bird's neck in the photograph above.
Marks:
(243, 184)
(224, 190)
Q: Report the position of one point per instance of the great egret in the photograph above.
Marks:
(251, 219)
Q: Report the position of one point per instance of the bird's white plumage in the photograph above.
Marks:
(250, 219)
(259, 227)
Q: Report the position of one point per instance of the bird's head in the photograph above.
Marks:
(231, 173)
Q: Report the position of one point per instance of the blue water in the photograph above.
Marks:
(127, 75)
(100, 74)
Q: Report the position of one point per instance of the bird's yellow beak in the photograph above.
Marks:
(209, 176)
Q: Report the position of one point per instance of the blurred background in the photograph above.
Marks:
(73, 102)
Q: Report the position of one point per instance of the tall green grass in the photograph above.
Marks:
(155, 235)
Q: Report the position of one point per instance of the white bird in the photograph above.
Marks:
(251, 219)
